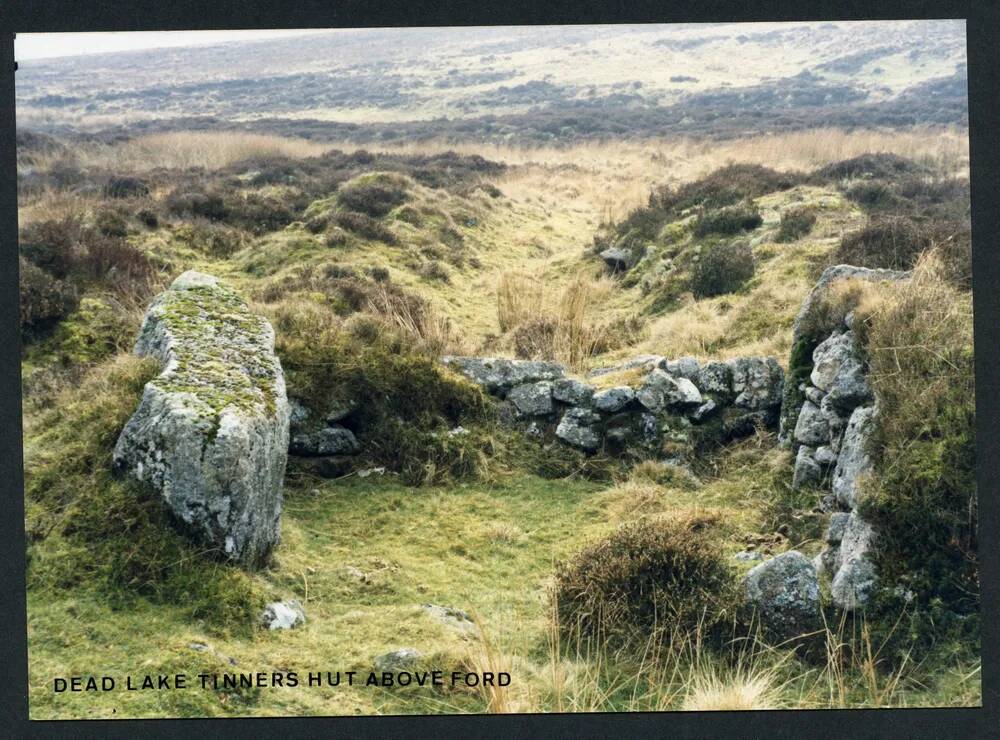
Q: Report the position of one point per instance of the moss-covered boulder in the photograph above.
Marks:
(211, 431)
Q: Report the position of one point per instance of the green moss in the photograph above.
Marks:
(207, 323)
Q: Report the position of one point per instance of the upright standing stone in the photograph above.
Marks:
(211, 431)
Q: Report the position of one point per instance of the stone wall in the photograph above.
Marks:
(673, 405)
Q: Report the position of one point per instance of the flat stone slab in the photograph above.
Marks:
(211, 431)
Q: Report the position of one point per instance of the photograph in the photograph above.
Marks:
(542, 369)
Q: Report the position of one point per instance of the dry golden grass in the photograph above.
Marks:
(519, 299)
(743, 688)
(609, 178)
(183, 149)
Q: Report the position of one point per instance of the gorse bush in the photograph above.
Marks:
(86, 525)
(728, 220)
(646, 578)
(795, 224)
(723, 268)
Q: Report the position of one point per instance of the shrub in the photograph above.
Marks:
(125, 187)
(872, 195)
(728, 220)
(365, 226)
(186, 202)
(148, 218)
(434, 270)
(893, 242)
(725, 186)
(52, 244)
(881, 165)
(372, 195)
(375, 361)
(795, 224)
(918, 337)
(111, 223)
(336, 237)
(212, 239)
(723, 268)
(44, 299)
(116, 264)
(257, 213)
(646, 578)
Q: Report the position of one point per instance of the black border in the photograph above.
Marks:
(114, 15)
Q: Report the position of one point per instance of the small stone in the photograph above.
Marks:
(814, 394)
(532, 399)
(811, 428)
(661, 391)
(685, 367)
(283, 615)
(757, 381)
(716, 377)
(747, 556)
(807, 472)
(853, 463)
(828, 356)
(825, 455)
(854, 584)
(497, 375)
(617, 259)
(572, 391)
(835, 529)
(334, 440)
(577, 428)
(456, 619)
(705, 410)
(397, 660)
(614, 399)
(785, 593)
(340, 410)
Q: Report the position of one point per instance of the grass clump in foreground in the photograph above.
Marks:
(647, 577)
(87, 527)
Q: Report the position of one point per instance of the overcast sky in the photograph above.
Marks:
(44, 45)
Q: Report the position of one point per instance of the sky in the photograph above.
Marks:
(46, 45)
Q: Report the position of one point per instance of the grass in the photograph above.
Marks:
(481, 540)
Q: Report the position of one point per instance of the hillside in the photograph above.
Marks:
(624, 360)
(478, 534)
